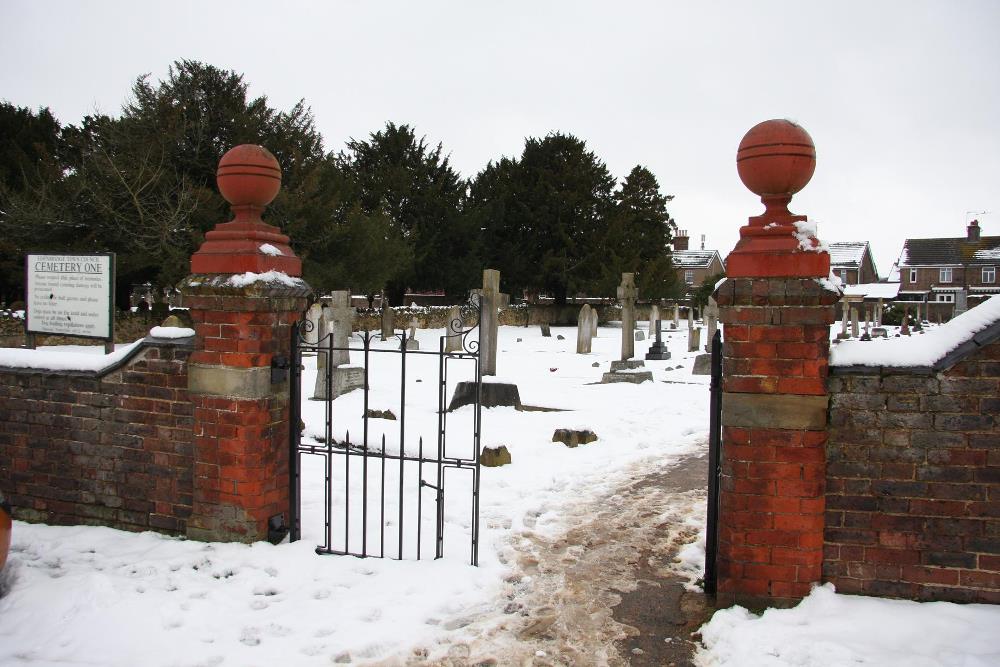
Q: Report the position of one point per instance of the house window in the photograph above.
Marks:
(945, 275)
(989, 274)
(945, 297)
(689, 277)
(913, 275)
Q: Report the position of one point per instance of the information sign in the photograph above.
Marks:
(70, 295)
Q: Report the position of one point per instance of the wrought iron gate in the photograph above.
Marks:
(374, 487)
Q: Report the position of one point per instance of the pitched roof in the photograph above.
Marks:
(932, 252)
(694, 259)
(847, 254)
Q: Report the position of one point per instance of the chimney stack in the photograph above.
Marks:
(702, 241)
(973, 231)
(681, 240)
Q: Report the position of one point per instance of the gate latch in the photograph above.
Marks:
(279, 369)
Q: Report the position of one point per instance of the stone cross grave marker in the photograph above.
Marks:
(627, 294)
(491, 300)
(583, 330)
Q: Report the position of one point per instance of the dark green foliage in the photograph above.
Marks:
(553, 222)
(699, 298)
(386, 213)
(410, 186)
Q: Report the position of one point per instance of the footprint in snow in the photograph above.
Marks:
(250, 636)
(321, 594)
(258, 604)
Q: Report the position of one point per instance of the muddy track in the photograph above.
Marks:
(602, 592)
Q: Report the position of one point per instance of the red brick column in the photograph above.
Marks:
(244, 296)
(776, 312)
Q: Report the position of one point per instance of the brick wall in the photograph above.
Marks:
(112, 449)
(913, 481)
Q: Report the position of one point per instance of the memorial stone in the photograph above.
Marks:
(453, 339)
(388, 326)
(583, 330)
(855, 331)
(654, 315)
(711, 322)
(491, 300)
(627, 294)
(658, 350)
(694, 340)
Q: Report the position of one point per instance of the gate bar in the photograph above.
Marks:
(714, 447)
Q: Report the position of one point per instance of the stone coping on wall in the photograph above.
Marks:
(149, 341)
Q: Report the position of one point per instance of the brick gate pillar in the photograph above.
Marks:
(244, 295)
(776, 306)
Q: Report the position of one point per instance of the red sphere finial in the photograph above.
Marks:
(776, 157)
(248, 176)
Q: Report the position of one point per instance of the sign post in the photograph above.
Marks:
(70, 295)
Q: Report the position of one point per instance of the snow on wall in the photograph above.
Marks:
(918, 350)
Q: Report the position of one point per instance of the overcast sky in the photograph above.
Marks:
(901, 98)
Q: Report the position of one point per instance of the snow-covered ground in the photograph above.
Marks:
(85, 595)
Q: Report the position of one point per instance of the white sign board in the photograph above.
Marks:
(70, 294)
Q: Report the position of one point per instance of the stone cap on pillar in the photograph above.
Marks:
(249, 178)
(775, 160)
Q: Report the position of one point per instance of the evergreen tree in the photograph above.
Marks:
(396, 175)
(639, 236)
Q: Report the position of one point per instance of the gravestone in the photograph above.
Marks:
(490, 300)
(337, 322)
(341, 316)
(878, 312)
(905, 328)
(311, 334)
(640, 335)
(694, 340)
(865, 336)
(654, 315)
(411, 339)
(323, 326)
(388, 325)
(690, 319)
(627, 294)
(854, 322)
(453, 330)
(711, 322)
(593, 323)
(961, 301)
(658, 351)
(677, 317)
(583, 330)
(546, 331)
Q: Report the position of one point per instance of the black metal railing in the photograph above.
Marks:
(714, 469)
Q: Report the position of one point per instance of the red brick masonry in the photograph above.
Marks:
(112, 449)
(913, 481)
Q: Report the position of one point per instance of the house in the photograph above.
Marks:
(950, 274)
(852, 262)
(693, 266)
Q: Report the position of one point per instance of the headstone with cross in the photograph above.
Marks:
(491, 301)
